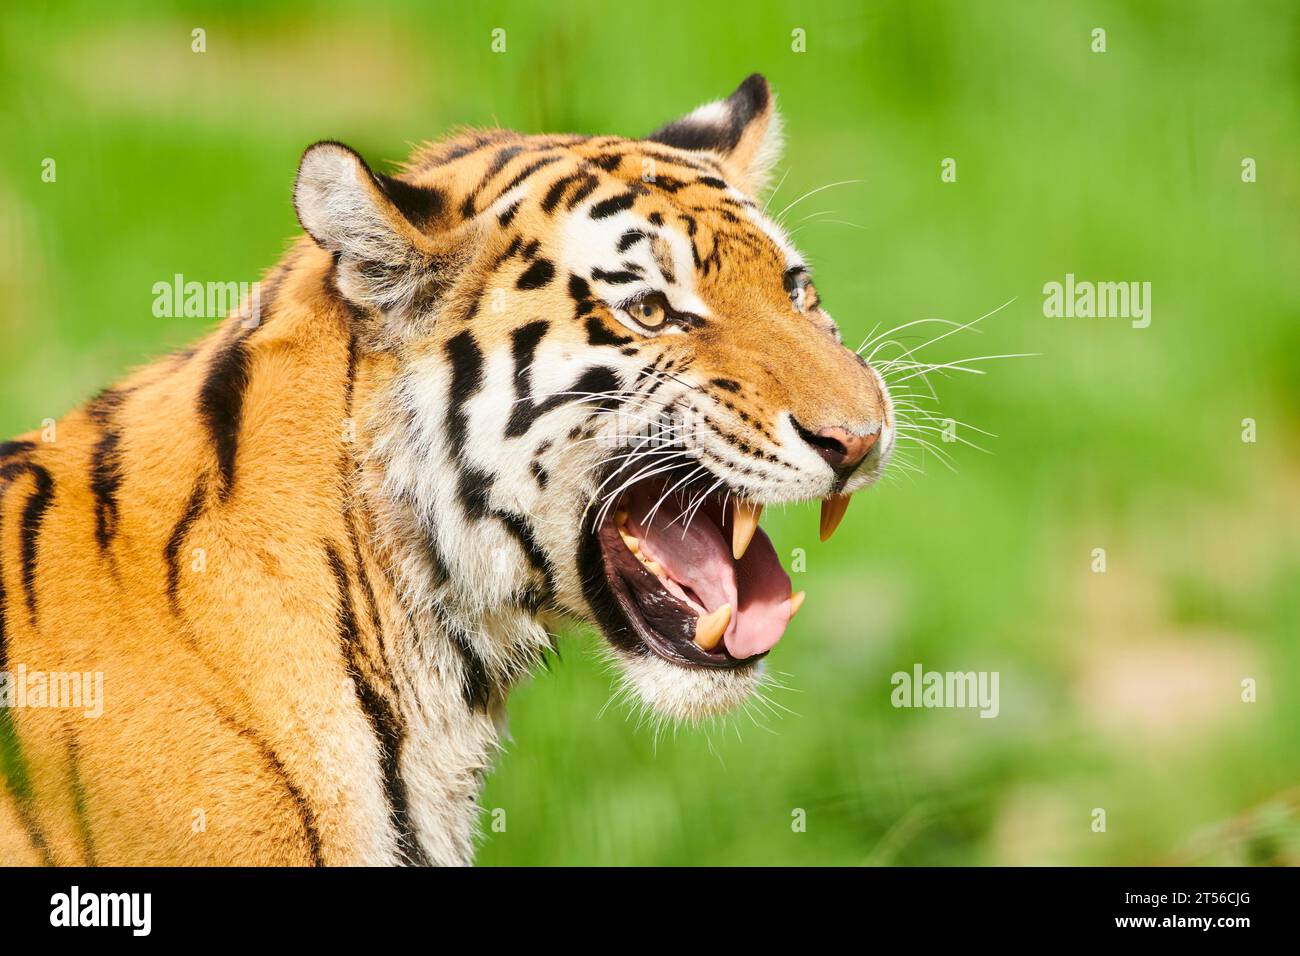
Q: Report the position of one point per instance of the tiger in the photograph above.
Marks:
(520, 382)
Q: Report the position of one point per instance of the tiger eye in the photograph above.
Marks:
(650, 311)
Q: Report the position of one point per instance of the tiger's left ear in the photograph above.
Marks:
(744, 129)
(390, 238)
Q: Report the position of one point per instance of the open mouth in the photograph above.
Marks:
(693, 580)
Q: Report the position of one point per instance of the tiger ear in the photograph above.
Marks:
(744, 129)
(384, 232)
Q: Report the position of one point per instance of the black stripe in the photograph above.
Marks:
(522, 533)
(617, 277)
(350, 379)
(586, 189)
(10, 448)
(524, 174)
(305, 814)
(578, 288)
(481, 141)
(613, 205)
(629, 239)
(384, 721)
(13, 768)
(699, 164)
(38, 502)
(690, 232)
(433, 554)
(474, 488)
(221, 403)
(476, 686)
(509, 252)
(539, 274)
(524, 342)
(598, 380)
(475, 301)
(368, 590)
(556, 192)
(526, 411)
(466, 379)
(508, 214)
(498, 163)
(33, 514)
(177, 538)
(599, 334)
(106, 465)
(580, 292)
(669, 184)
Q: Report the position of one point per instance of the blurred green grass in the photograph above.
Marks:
(1119, 690)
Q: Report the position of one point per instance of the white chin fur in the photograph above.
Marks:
(690, 694)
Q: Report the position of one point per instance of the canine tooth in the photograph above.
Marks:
(620, 517)
(709, 628)
(833, 509)
(633, 543)
(796, 602)
(744, 522)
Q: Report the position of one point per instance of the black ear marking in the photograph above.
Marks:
(422, 206)
(722, 132)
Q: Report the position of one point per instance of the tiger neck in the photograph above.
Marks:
(442, 572)
(472, 604)
(452, 652)
(437, 646)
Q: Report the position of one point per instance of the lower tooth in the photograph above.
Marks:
(710, 627)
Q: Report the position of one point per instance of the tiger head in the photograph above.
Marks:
(605, 358)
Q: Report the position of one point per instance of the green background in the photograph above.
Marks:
(1119, 690)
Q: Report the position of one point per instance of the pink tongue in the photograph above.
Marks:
(764, 600)
(697, 558)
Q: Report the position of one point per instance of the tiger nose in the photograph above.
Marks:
(839, 447)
